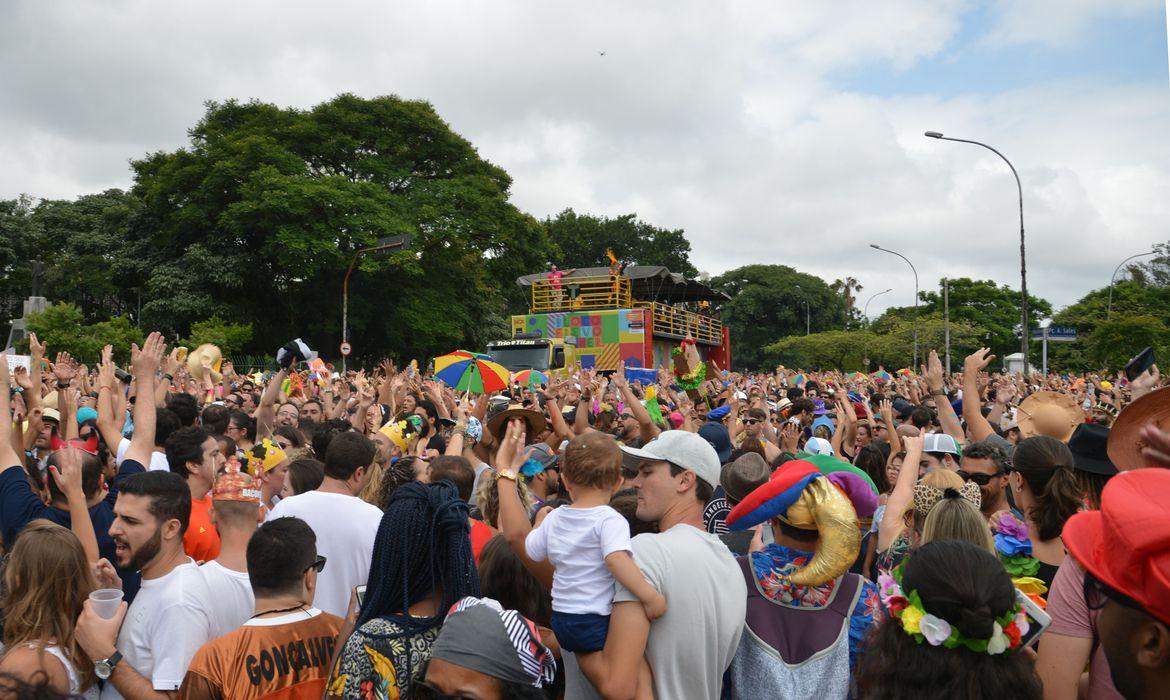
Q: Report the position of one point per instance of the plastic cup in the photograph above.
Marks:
(106, 602)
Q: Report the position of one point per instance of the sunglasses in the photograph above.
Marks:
(318, 564)
(1097, 594)
(980, 479)
(750, 421)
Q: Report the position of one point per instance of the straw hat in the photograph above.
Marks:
(1125, 442)
(1049, 413)
(535, 420)
(195, 362)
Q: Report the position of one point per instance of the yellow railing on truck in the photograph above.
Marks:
(581, 294)
(673, 322)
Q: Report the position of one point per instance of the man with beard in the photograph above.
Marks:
(636, 427)
(984, 464)
(168, 621)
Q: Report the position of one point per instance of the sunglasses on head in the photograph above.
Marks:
(980, 479)
(318, 564)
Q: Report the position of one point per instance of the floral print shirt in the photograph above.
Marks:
(379, 660)
(772, 563)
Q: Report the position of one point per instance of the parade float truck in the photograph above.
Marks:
(599, 320)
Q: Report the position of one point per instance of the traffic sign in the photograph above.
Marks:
(346, 349)
(1056, 333)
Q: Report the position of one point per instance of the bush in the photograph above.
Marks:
(229, 337)
(61, 328)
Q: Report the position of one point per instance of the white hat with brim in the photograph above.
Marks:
(680, 448)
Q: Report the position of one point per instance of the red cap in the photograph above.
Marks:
(1126, 544)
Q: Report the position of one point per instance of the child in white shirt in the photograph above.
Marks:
(588, 543)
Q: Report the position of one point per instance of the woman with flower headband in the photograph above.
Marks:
(954, 630)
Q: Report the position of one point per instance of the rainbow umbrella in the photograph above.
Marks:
(799, 380)
(531, 378)
(882, 375)
(905, 372)
(471, 371)
(856, 377)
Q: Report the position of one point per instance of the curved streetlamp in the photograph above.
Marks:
(865, 313)
(891, 252)
(381, 246)
(1024, 330)
(1109, 312)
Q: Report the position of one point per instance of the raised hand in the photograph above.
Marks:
(933, 371)
(67, 473)
(977, 361)
(22, 379)
(146, 361)
(65, 368)
(35, 347)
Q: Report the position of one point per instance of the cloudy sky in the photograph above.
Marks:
(786, 132)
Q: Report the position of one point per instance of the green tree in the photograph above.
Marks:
(1113, 342)
(259, 217)
(228, 337)
(993, 310)
(61, 327)
(583, 239)
(1133, 300)
(768, 303)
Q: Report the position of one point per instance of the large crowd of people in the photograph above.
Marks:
(173, 528)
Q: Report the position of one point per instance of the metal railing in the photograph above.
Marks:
(581, 294)
(673, 322)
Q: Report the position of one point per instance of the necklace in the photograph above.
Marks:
(277, 610)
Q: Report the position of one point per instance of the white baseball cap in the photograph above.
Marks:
(680, 448)
(818, 446)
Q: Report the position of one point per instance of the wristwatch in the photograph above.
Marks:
(508, 474)
(105, 668)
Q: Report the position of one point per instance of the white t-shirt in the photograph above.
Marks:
(232, 593)
(690, 646)
(576, 541)
(158, 460)
(164, 627)
(345, 527)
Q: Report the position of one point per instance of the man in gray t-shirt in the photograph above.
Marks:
(690, 646)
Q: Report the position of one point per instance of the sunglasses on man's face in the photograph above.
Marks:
(979, 479)
(318, 564)
(750, 421)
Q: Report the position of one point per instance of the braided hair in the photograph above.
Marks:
(423, 543)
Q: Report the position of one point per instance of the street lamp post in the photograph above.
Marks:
(1113, 278)
(807, 312)
(381, 246)
(865, 313)
(1024, 330)
(891, 252)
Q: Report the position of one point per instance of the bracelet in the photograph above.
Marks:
(938, 392)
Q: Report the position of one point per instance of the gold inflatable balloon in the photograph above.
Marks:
(824, 508)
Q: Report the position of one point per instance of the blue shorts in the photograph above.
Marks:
(583, 632)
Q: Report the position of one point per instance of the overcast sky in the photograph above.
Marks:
(780, 132)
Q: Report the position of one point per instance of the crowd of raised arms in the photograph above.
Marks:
(172, 528)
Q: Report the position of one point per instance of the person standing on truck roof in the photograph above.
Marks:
(554, 282)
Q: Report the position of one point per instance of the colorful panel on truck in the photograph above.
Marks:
(602, 338)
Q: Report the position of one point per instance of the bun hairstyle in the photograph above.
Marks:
(1046, 465)
(968, 587)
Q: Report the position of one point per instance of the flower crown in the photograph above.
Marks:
(921, 625)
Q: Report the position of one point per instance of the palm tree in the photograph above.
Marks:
(848, 289)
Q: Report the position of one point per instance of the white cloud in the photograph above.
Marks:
(1060, 22)
(720, 119)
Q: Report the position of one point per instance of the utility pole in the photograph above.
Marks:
(947, 320)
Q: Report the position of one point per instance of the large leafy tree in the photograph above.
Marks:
(258, 218)
(1108, 337)
(583, 240)
(768, 303)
